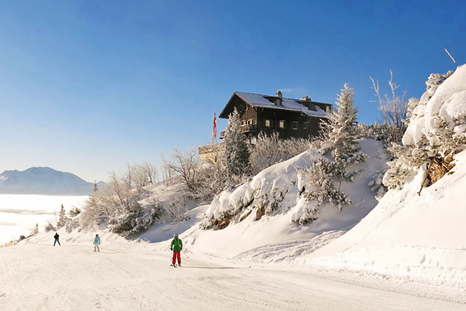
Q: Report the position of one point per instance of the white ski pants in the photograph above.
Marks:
(96, 247)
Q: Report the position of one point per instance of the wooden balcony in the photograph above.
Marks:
(247, 129)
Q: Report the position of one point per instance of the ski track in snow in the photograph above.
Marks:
(72, 277)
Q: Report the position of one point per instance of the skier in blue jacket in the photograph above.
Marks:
(96, 243)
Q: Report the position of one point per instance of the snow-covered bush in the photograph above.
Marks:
(385, 132)
(319, 181)
(436, 129)
(376, 184)
(269, 150)
(74, 211)
(35, 230)
(115, 206)
(49, 227)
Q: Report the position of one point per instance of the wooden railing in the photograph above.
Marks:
(247, 128)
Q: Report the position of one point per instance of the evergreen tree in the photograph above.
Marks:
(322, 181)
(340, 131)
(62, 219)
(235, 157)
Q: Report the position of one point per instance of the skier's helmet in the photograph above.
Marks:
(176, 235)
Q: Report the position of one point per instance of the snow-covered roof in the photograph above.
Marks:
(264, 101)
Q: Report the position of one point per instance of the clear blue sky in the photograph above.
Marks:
(89, 86)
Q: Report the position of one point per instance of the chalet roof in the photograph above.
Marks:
(265, 101)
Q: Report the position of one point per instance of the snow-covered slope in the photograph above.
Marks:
(43, 180)
(419, 237)
(280, 181)
(127, 275)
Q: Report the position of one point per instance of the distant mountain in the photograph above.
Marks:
(43, 180)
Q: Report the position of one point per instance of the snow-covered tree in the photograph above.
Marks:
(185, 165)
(213, 173)
(62, 219)
(340, 131)
(322, 180)
(235, 157)
(392, 108)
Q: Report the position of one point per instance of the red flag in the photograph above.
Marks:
(214, 132)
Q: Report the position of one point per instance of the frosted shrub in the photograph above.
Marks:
(270, 150)
(385, 132)
(320, 181)
(124, 220)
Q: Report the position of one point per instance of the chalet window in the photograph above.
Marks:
(281, 124)
(268, 123)
(242, 122)
(328, 108)
(250, 121)
(294, 125)
(304, 126)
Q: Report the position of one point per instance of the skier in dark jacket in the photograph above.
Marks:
(176, 246)
(56, 237)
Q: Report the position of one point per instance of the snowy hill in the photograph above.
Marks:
(408, 235)
(43, 180)
(417, 237)
(277, 188)
(406, 252)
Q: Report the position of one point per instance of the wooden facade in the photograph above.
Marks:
(290, 118)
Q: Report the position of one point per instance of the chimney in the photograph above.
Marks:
(279, 100)
(306, 98)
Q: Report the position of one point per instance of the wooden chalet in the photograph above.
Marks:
(298, 118)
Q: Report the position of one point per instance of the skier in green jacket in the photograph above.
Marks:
(176, 247)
